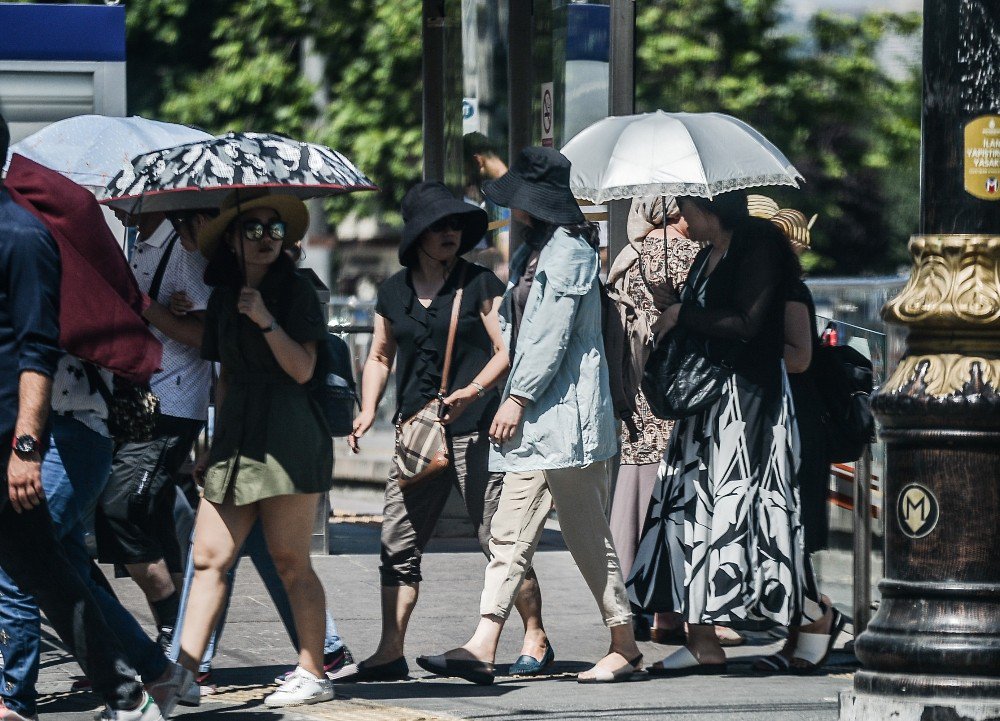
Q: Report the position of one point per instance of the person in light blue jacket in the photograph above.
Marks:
(554, 432)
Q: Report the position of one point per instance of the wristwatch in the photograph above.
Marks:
(274, 324)
(25, 444)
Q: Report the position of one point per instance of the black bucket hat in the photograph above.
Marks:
(426, 203)
(538, 184)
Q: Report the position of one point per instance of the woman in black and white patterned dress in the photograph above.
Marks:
(722, 542)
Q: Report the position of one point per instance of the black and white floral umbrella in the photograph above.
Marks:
(201, 174)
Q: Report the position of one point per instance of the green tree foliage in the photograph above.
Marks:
(374, 60)
(224, 65)
(849, 127)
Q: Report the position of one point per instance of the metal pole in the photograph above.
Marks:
(932, 650)
(862, 541)
(621, 101)
(520, 91)
(434, 89)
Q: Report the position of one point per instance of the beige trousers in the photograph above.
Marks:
(581, 497)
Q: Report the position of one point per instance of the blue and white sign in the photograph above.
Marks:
(470, 115)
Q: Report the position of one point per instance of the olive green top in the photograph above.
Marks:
(270, 435)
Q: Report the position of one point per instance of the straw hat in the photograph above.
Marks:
(289, 208)
(760, 206)
(794, 224)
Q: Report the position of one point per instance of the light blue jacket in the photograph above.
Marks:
(558, 363)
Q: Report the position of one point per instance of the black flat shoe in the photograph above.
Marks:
(396, 670)
(478, 672)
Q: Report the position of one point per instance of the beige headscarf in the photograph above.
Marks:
(645, 216)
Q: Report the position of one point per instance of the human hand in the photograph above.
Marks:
(362, 424)
(24, 481)
(251, 304)
(663, 295)
(180, 304)
(457, 402)
(507, 421)
(666, 322)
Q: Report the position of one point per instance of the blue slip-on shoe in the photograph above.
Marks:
(530, 666)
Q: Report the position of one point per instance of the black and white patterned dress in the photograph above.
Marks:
(722, 543)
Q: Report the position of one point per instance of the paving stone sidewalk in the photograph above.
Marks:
(255, 648)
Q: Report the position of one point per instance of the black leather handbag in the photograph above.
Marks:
(681, 378)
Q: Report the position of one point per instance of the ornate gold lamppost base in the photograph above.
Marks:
(932, 651)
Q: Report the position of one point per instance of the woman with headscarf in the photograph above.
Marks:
(648, 272)
(554, 432)
(722, 541)
(412, 319)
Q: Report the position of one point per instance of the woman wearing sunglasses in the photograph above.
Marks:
(413, 314)
(271, 454)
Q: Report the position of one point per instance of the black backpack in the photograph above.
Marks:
(844, 379)
(333, 385)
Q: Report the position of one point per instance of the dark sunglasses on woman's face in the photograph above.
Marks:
(254, 230)
(449, 222)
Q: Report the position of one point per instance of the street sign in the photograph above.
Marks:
(548, 116)
(470, 115)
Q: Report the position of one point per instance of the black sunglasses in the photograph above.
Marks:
(449, 222)
(254, 230)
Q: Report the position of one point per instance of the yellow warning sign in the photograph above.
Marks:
(982, 157)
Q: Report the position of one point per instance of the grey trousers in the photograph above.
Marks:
(409, 518)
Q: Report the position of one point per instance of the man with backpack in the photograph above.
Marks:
(136, 523)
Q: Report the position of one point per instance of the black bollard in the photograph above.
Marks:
(932, 652)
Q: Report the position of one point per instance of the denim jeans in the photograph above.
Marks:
(32, 556)
(256, 547)
(73, 475)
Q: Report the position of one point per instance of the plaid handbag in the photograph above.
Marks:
(421, 440)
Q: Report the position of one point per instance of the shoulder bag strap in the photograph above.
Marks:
(456, 305)
(161, 268)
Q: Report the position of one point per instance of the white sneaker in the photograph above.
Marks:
(176, 685)
(300, 689)
(147, 711)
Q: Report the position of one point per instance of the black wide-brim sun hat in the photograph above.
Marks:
(426, 203)
(538, 184)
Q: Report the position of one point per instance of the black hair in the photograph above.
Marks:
(4, 139)
(590, 232)
(478, 144)
(225, 269)
(730, 208)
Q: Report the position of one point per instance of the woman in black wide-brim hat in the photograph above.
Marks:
(412, 317)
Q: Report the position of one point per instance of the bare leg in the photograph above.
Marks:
(704, 644)
(623, 651)
(288, 541)
(483, 644)
(220, 530)
(397, 606)
(528, 603)
(153, 579)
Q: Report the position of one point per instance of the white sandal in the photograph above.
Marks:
(814, 648)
